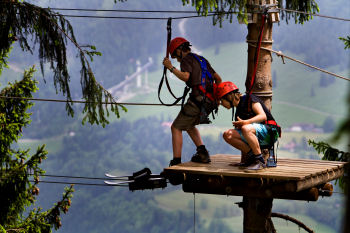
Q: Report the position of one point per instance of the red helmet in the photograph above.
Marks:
(175, 43)
(225, 88)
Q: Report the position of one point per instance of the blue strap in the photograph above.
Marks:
(205, 72)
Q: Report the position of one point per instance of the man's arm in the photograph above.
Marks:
(184, 76)
(260, 116)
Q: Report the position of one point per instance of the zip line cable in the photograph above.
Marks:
(280, 54)
(210, 13)
(136, 18)
(82, 177)
(313, 14)
(80, 101)
(125, 185)
(74, 183)
(189, 12)
(126, 11)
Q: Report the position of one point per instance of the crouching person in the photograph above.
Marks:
(254, 125)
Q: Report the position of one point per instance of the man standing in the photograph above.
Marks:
(198, 75)
(254, 125)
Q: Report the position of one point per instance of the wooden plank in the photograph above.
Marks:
(225, 157)
(303, 170)
(291, 165)
(234, 171)
(238, 173)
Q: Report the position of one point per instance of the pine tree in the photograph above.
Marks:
(21, 21)
(20, 171)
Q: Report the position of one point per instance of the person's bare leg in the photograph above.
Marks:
(195, 136)
(248, 131)
(176, 141)
(233, 138)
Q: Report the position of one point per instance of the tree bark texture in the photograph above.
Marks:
(262, 86)
(263, 82)
(257, 211)
(257, 215)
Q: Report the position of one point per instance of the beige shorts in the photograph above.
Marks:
(188, 117)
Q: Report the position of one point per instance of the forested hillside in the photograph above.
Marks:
(141, 138)
(122, 148)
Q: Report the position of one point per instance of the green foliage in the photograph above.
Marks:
(226, 8)
(51, 31)
(307, 6)
(4, 55)
(222, 9)
(17, 167)
(333, 154)
(346, 42)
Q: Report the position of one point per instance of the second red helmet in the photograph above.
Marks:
(225, 88)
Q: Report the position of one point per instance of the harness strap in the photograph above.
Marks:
(256, 56)
(209, 95)
(164, 77)
(205, 72)
(274, 124)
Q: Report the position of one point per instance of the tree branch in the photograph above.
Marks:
(288, 218)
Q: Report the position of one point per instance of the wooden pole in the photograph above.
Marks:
(257, 211)
(257, 215)
(263, 82)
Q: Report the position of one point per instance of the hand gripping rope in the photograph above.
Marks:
(164, 77)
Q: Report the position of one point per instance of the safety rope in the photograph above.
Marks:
(165, 77)
(279, 53)
(194, 212)
(313, 14)
(256, 61)
(257, 53)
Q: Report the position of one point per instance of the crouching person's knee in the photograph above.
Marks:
(227, 135)
(246, 129)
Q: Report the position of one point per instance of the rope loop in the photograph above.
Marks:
(280, 54)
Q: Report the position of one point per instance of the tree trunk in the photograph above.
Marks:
(263, 82)
(257, 215)
(257, 212)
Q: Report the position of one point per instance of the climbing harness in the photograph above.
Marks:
(207, 92)
(273, 130)
(165, 78)
(204, 106)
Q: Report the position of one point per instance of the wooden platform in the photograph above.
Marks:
(298, 179)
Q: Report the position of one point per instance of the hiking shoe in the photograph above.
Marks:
(174, 162)
(201, 156)
(258, 165)
(247, 162)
